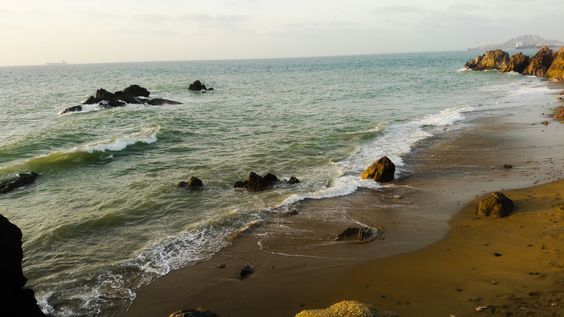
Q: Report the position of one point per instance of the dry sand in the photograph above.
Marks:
(299, 266)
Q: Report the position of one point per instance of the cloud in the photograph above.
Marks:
(399, 9)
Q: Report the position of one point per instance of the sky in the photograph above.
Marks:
(85, 31)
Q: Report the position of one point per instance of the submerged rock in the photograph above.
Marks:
(517, 63)
(198, 312)
(358, 234)
(382, 170)
(246, 271)
(345, 309)
(192, 183)
(556, 70)
(198, 86)
(20, 180)
(495, 59)
(293, 180)
(540, 63)
(255, 182)
(495, 205)
(161, 101)
(17, 300)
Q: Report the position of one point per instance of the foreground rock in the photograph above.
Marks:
(192, 183)
(517, 63)
(246, 271)
(559, 113)
(256, 183)
(495, 205)
(496, 59)
(346, 309)
(22, 179)
(133, 94)
(556, 70)
(17, 300)
(540, 63)
(198, 312)
(357, 234)
(198, 86)
(382, 170)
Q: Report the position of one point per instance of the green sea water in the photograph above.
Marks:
(105, 216)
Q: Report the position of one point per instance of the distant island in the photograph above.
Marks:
(521, 42)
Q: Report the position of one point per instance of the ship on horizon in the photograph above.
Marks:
(520, 45)
(62, 62)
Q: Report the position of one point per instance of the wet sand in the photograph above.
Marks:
(426, 262)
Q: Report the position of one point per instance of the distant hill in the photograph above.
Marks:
(528, 40)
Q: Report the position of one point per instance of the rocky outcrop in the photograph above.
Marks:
(16, 300)
(192, 183)
(256, 183)
(517, 63)
(556, 70)
(559, 114)
(22, 179)
(496, 59)
(133, 94)
(357, 234)
(495, 205)
(198, 312)
(540, 63)
(347, 309)
(293, 180)
(382, 170)
(198, 86)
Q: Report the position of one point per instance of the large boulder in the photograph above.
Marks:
(556, 70)
(517, 63)
(136, 91)
(346, 309)
(22, 179)
(198, 312)
(17, 300)
(540, 63)
(495, 59)
(198, 86)
(495, 205)
(382, 170)
(256, 183)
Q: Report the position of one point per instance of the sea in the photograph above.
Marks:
(106, 217)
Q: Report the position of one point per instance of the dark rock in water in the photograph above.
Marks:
(91, 100)
(160, 102)
(198, 312)
(211, 88)
(16, 300)
(517, 63)
(136, 91)
(495, 59)
(495, 205)
(198, 86)
(540, 63)
(255, 182)
(359, 234)
(20, 180)
(72, 109)
(192, 183)
(293, 180)
(507, 166)
(246, 271)
(382, 170)
(103, 94)
(112, 103)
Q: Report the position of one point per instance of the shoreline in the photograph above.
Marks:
(298, 250)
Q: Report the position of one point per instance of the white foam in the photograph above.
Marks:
(146, 135)
(463, 69)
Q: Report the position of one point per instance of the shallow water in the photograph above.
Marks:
(106, 217)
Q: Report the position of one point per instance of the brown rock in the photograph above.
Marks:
(198, 312)
(556, 70)
(256, 183)
(293, 180)
(517, 64)
(495, 205)
(540, 63)
(495, 59)
(346, 309)
(246, 271)
(382, 170)
(559, 113)
(192, 183)
(359, 234)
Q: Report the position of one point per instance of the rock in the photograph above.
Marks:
(270, 178)
(556, 70)
(72, 109)
(112, 103)
(197, 86)
(192, 183)
(495, 59)
(198, 312)
(360, 234)
(91, 100)
(16, 300)
(136, 91)
(293, 180)
(161, 101)
(246, 271)
(382, 170)
(103, 94)
(255, 182)
(20, 180)
(239, 184)
(345, 309)
(495, 205)
(540, 63)
(517, 63)
(559, 113)
(507, 166)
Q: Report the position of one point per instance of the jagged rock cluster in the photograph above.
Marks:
(546, 63)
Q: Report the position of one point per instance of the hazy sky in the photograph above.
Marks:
(84, 31)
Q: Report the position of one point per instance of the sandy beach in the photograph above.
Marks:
(434, 256)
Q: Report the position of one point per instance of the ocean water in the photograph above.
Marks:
(105, 217)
